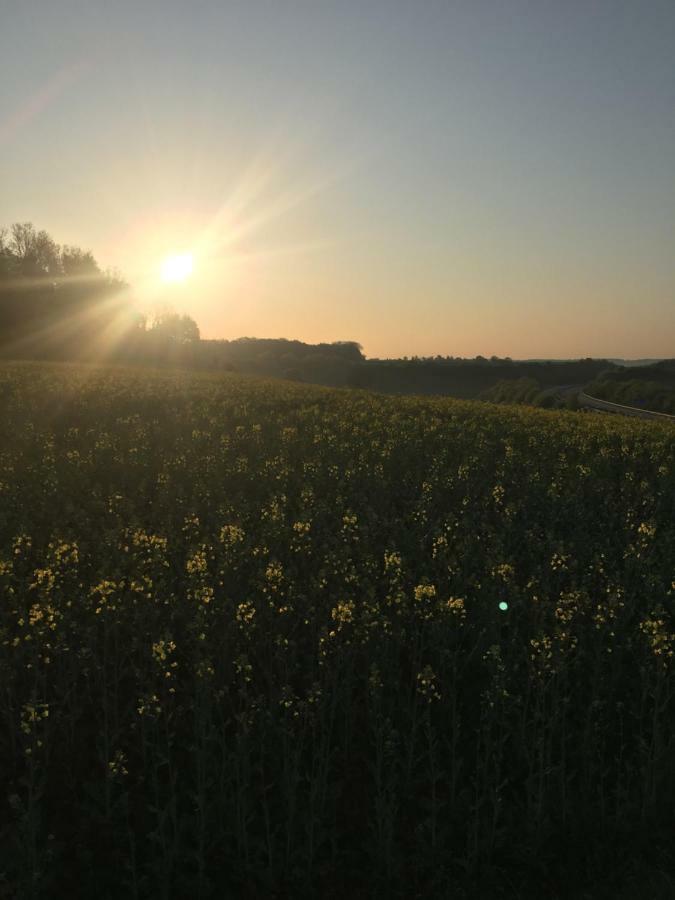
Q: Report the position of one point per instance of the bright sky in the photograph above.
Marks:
(423, 177)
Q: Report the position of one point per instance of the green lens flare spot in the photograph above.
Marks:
(503, 606)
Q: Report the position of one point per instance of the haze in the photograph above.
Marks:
(451, 178)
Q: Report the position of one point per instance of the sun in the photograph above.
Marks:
(177, 268)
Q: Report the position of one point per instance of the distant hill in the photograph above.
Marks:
(472, 378)
(342, 364)
(629, 363)
(549, 383)
(614, 361)
(662, 372)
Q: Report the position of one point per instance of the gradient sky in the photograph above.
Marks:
(423, 177)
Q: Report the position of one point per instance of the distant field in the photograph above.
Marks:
(266, 640)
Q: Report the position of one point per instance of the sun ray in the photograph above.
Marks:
(113, 315)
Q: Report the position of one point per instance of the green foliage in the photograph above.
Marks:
(173, 328)
(253, 643)
(517, 390)
(338, 364)
(658, 396)
(497, 380)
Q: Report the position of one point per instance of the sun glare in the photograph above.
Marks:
(177, 268)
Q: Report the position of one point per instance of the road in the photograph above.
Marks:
(589, 402)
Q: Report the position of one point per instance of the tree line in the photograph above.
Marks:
(57, 302)
(646, 387)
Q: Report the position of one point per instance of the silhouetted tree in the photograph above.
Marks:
(56, 301)
(174, 328)
(76, 262)
(35, 251)
(347, 350)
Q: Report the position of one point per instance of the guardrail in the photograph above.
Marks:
(608, 406)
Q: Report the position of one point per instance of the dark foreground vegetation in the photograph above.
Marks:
(267, 640)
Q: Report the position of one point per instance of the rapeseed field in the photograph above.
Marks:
(269, 640)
